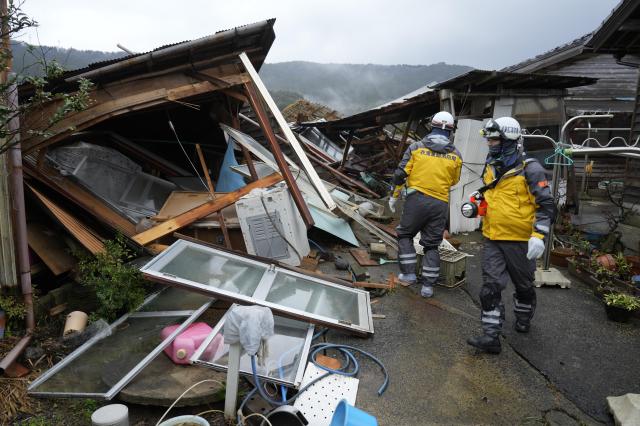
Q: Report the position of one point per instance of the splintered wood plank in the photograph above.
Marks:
(50, 248)
(82, 233)
(203, 210)
(362, 257)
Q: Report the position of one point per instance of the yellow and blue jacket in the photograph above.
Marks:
(431, 166)
(519, 205)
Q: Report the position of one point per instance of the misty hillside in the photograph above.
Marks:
(351, 88)
(347, 88)
(26, 59)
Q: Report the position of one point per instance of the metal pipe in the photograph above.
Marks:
(609, 150)
(19, 212)
(556, 177)
(604, 129)
(578, 117)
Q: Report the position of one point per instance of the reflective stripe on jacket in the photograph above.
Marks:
(429, 171)
(520, 205)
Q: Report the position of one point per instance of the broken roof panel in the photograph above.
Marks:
(255, 39)
(491, 81)
(618, 33)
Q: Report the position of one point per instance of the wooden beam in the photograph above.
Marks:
(205, 169)
(345, 152)
(235, 123)
(116, 99)
(265, 125)
(203, 210)
(282, 123)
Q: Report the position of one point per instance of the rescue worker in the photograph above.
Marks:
(519, 213)
(429, 168)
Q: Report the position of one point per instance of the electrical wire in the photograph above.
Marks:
(183, 394)
(187, 155)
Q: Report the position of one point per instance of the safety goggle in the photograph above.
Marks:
(491, 128)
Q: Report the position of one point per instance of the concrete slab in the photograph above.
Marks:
(435, 377)
(625, 409)
(571, 342)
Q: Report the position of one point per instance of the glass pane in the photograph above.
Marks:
(201, 266)
(175, 299)
(283, 354)
(107, 361)
(314, 298)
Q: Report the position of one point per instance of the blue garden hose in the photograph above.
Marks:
(350, 359)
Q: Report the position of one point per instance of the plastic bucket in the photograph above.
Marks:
(348, 415)
(188, 419)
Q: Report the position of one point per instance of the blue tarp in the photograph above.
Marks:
(229, 180)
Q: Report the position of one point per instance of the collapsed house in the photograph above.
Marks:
(155, 153)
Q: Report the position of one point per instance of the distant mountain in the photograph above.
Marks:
(347, 88)
(26, 58)
(350, 88)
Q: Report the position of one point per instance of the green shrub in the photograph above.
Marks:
(118, 286)
(621, 300)
(13, 310)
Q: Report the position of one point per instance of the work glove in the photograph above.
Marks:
(536, 248)
(392, 204)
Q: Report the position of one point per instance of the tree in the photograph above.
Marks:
(42, 86)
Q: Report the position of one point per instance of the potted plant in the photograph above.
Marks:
(620, 306)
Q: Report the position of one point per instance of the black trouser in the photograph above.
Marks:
(502, 260)
(428, 216)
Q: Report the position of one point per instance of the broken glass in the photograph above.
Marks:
(105, 364)
(220, 274)
(286, 353)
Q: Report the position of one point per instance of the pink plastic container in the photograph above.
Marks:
(181, 349)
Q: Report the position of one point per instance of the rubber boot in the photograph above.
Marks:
(426, 291)
(486, 343)
(524, 313)
(407, 279)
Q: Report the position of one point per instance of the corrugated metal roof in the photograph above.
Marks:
(100, 64)
(576, 44)
(489, 81)
(255, 39)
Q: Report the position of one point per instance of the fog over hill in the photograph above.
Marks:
(347, 88)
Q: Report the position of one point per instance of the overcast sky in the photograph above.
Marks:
(487, 34)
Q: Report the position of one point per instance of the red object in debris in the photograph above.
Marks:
(16, 370)
(183, 347)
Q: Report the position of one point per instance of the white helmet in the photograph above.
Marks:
(442, 120)
(504, 127)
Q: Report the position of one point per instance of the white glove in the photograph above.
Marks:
(392, 204)
(536, 248)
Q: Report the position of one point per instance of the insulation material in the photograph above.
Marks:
(474, 150)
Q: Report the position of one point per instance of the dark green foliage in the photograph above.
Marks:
(13, 310)
(118, 286)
